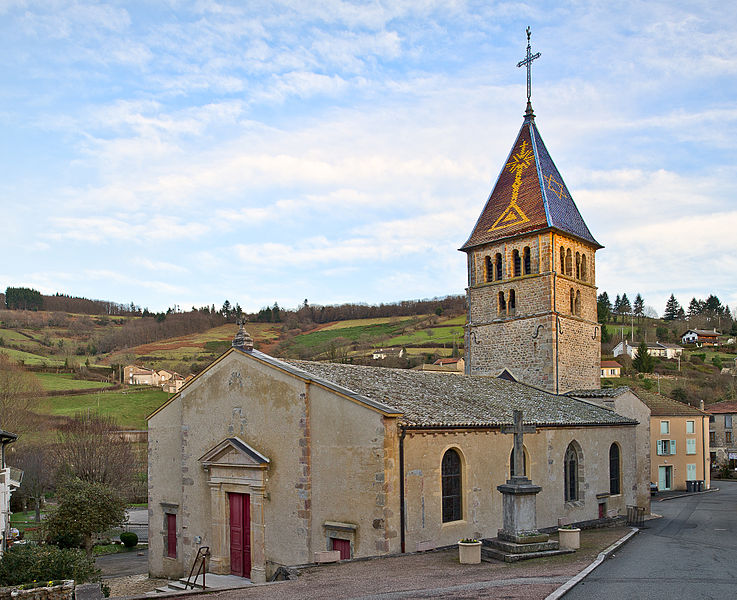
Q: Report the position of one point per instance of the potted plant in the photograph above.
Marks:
(469, 551)
(569, 537)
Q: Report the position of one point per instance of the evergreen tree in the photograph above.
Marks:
(638, 306)
(606, 337)
(625, 307)
(695, 307)
(275, 314)
(642, 361)
(617, 308)
(671, 309)
(681, 314)
(603, 308)
(226, 310)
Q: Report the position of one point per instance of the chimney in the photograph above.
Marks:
(701, 405)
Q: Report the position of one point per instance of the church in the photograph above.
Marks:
(269, 461)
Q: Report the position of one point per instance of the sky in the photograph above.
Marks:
(188, 152)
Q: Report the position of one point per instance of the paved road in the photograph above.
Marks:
(125, 563)
(690, 553)
(138, 523)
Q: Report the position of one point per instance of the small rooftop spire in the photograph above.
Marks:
(527, 61)
(242, 340)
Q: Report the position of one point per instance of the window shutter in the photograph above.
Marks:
(673, 446)
(660, 447)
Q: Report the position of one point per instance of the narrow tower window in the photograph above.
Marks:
(498, 266)
(572, 298)
(527, 266)
(578, 265)
(578, 302)
(584, 273)
(569, 263)
(489, 275)
(502, 304)
(562, 261)
(512, 301)
(517, 263)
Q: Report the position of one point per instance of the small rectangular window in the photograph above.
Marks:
(171, 535)
(690, 427)
(727, 437)
(712, 437)
(673, 446)
(728, 421)
(665, 427)
(690, 446)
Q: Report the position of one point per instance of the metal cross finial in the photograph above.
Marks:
(527, 61)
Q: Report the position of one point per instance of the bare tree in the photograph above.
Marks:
(91, 448)
(20, 392)
(38, 473)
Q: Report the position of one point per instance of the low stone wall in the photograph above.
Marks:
(63, 591)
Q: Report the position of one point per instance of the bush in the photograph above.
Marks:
(67, 539)
(129, 539)
(24, 564)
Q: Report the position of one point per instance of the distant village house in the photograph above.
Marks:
(701, 337)
(659, 349)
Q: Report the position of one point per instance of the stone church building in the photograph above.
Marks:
(268, 461)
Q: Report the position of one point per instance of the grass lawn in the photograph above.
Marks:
(365, 322)
(129, 408)
(317, 338)
(53, 382)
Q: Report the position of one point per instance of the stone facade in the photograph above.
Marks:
(538, 319)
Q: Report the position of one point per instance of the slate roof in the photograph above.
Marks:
(602, 393)
(542, 199)
(428, 399)
(660, 406)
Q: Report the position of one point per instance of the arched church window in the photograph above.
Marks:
(512, 301)
(516, 264)
(571, 473)
(527, 263)
(562, 261)
(498, 266)
(584, 270)
(525, 472)
(489, 275)
(572, 301)
(614, 470)
(578, 265)
(502, 304)
(451, 486)
(569, 263)
(578, 302)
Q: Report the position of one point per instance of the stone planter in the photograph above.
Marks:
(469, 553)
(569, 539)
(63, 591)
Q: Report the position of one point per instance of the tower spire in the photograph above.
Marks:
(527, 61)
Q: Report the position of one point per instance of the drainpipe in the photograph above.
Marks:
(557, 332)
(402, 515)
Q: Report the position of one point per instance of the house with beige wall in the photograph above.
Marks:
(722, 426)
(679, 443)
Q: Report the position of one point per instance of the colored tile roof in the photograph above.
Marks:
(529, 195)
(702, 332)
(728, 406)
(611, 364)
(428, 399)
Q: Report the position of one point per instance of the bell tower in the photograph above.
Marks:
(532, 274)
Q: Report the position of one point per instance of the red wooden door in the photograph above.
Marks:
(344, 546)
(171, 535)
(240, 534)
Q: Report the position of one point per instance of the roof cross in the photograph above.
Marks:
(527, 61)
(518, 429)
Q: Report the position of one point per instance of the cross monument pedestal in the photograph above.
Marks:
(519, 537)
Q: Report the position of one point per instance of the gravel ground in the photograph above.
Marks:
(133, 585)
(432, 575)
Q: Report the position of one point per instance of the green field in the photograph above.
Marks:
(437, 335)
(369, 332)
(366, 322)
(32, 359)
(128, 407)
(54, 382)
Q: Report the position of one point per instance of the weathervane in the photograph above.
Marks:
(527, 61)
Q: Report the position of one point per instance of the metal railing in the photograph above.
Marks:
(200, 563)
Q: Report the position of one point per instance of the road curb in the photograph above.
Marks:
(709, 491)
(571, 583)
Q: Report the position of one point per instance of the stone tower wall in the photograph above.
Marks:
(525, 340)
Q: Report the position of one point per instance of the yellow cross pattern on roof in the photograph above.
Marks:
(512, 215)
(520, 159)
(556, 187)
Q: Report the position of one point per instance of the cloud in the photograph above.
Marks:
(109, 229)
